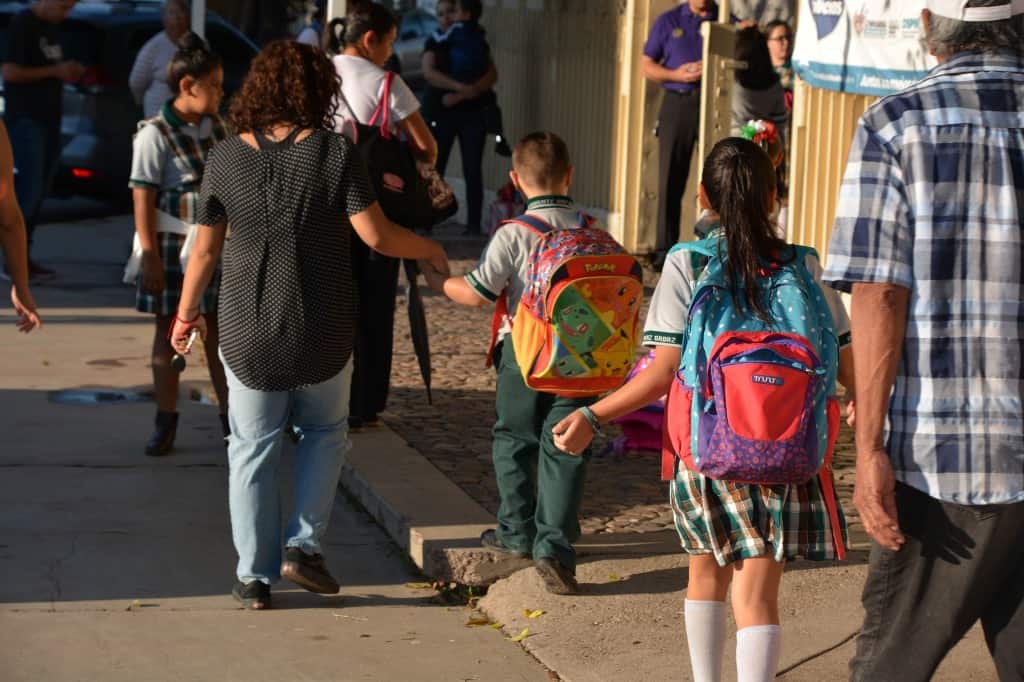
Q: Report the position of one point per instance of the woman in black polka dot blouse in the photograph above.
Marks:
(292, 192)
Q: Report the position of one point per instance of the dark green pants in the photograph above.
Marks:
(541, 487)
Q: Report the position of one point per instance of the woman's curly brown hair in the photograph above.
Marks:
(288, 84)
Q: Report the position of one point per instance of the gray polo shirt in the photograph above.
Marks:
(505, 260)
(154, 164)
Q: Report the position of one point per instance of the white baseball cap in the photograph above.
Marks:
(978, 10)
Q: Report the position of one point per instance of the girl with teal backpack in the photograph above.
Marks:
(749, 348)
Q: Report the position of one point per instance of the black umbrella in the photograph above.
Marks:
(418, 325)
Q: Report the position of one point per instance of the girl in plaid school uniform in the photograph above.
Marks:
(169, 154)
(735, 533)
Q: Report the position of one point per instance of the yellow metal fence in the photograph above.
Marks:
(823, 126)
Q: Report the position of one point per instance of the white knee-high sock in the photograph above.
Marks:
(705, 637)
(757, 653)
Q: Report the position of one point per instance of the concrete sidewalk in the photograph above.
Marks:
(117, 567)
(627, 624)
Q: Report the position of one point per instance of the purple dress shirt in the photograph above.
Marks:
(675, 40)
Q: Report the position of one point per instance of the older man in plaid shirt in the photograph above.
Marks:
(929, 236)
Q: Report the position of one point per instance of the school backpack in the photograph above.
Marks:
(575, 329)
(755, 402)
(410, 194)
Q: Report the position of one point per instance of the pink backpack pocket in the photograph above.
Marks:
(758, 424)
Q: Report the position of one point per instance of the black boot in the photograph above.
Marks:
(162, 440)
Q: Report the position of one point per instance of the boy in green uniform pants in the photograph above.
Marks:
(535, 519)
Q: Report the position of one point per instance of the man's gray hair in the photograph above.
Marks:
(947, 37)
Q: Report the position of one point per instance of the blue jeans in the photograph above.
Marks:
(36, 149)
(257, 422)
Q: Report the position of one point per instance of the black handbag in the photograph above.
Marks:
(411, 193)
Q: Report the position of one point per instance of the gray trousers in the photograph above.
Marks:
(960, 564)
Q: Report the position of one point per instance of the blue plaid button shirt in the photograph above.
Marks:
(933, 200)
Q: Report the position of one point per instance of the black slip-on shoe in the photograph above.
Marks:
(557, 578)
(254, 596)
(489, 540)
(308, 571)
(162, 441)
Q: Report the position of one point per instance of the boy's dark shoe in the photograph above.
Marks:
(557, 578)
(162, 440)
(489, 540)
(254, 596)
(308, 571)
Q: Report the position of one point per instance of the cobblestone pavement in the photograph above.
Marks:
(623, 492)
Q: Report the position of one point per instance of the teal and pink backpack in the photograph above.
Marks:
(754, 402)
(575, 330)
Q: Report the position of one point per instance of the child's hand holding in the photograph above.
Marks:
(573, 434)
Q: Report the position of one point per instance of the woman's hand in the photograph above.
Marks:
(573, 434)
(25, 307)
(439, 261)
(435, 280)
(152, 273)
(182, 330)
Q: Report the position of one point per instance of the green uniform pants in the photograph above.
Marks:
(540, 486)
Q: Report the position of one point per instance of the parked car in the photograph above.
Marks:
(100, 115)
(414, 28)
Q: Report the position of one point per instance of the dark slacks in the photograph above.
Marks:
(960, 564)
(377, 281)
(469, 127)
(540, 486)
(678, 129)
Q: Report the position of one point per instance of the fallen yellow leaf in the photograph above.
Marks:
(475, 621)
(496, 626)
(521, 636)
(533, 614)
(613, 578)
(420, 586)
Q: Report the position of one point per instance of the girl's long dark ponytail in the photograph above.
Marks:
(739, 180)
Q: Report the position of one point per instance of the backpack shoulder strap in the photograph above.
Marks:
(704, 247)
(532, 223)
(382, 114)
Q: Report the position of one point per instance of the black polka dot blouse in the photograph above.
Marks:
(287, 306)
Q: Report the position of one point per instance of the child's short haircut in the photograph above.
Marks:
(541, 159)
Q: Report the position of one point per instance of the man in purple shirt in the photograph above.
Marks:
(672, 58)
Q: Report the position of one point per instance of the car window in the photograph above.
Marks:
(236, 53)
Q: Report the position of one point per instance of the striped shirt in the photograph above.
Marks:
(933, 200)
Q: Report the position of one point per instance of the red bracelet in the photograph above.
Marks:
(187, 321)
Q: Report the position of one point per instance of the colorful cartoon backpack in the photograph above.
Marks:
(575, 329)
(755, 402)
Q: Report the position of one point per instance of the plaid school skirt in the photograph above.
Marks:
(737, 521)
(166, 302)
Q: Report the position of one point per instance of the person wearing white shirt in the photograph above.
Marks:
(363, 43)
(148, 79)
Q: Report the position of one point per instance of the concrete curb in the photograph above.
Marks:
(430, 517)
(439, 525)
